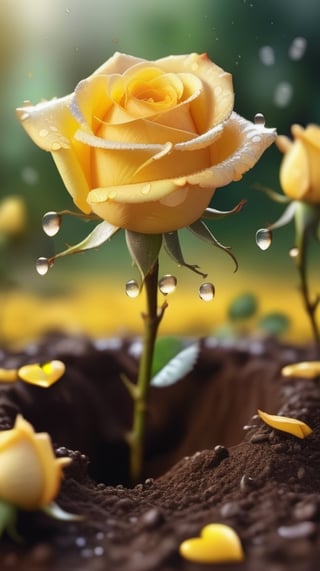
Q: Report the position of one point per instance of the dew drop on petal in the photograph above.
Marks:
(263, 238)
(43, 133)
(207, 291)
(132, 289)
(259, 119)
(167, 284)
(51, 223)
(42, 266)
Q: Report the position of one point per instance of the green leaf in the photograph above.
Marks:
(177, 367)
(201, 230)
(274, 324)
(243, 307)
(165, 349)
(100, 234)
(172, 246)
(54, 511)
(285, 217)
(144, 250)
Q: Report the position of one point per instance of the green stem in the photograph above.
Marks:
(151, 321)
(301, 262)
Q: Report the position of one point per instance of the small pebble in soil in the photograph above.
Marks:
(221, 451)
(247, 483)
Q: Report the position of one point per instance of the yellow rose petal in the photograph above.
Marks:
(8, 375)
(286, 424)
(42, 375)
(307, 370)
(218, 543)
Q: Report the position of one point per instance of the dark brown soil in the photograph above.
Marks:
(208, 459)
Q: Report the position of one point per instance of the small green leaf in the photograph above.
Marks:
(100, 234)
(286, 216)
(144, 250)
(165, 349)
(274, 324)
(177, 367)
(8, 517)
(243, 307)
(54, 511)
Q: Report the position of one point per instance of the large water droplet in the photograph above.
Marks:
(259, 119)
(51, 223)
(132, 289)
(263, 238)
(167, 284)
(207, 291)
(42, 266)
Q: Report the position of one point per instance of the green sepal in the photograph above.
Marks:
(213, 214)
(285, 217)
(172, 246)
(201, 230)
(54, 511)
(8, 518)
(275, 196)
(99, 235)
(144, 250)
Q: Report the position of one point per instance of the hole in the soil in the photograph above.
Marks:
(89, 409)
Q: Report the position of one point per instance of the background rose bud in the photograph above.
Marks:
(12, 216)
(300, 168)
(144, 144)
(30, 474)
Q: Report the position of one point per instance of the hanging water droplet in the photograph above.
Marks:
(294, 252)
(207, 291)
(259, 119)
(132, 289)
(263, 238)
(167, 284)
(51, 223)
(42, 266)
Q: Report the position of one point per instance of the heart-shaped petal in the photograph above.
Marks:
(43, 375)
(218, 543)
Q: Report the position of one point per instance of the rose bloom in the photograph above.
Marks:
(144, 144)
(300, 167)
(30, 474)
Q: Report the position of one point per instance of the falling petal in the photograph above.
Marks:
(286, 424)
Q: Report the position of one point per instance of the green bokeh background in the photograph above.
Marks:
(47, 46)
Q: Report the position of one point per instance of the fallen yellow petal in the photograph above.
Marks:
(218, 543)
(42, 375)
(305, 369)
(286, 424)
(8, 375)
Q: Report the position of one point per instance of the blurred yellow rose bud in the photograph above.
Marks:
(300, 168)
(30, 474)
(144, 144)
(12, 216)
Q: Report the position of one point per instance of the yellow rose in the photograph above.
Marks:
(144, 144)
(300, 167)
(30, 474)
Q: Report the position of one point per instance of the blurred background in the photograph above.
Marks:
(47, 46)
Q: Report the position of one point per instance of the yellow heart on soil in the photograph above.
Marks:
(42, 375)
(218, 543)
